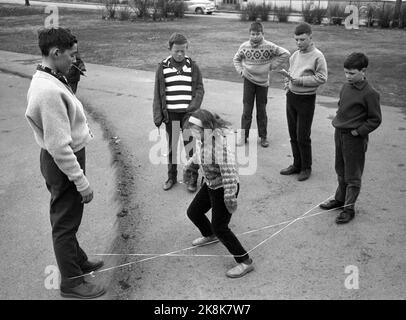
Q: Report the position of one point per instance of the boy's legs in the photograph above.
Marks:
(339, 167)
(262, 118)
(197, 211)
(220, 220)
(248, 106)
(173, 128)
(66, 212)
(190, 147)
(292, 117)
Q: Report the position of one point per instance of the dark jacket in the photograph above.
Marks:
(160, 111)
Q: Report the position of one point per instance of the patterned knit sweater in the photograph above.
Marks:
(255, 61)
(218, 164)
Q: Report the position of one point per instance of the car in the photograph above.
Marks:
(200, 6)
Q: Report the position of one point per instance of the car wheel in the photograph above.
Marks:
(199, 11)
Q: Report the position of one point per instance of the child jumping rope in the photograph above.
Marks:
(220, 189)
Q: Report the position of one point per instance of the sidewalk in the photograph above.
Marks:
(305, 261)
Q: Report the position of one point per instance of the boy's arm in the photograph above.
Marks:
(280, 57)
(157, 104)
(374, 117)
(237, 60)
(198, 98)
(319, 77)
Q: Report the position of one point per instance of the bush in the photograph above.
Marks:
(336, 14)
(124, 13)
(403, 16)
(371, 13)
(282, 13)
(111, 8)
(385, 15)
(312, 14)
(252, 12)
(175, 8)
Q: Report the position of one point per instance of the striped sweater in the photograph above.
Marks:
(218, 164)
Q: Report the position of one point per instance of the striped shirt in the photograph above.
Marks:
(178, 85)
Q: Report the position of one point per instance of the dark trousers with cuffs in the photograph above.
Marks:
(174, 127)
(66, 212)
(299, 112)
(251, 93)
(349, 166)
(205, 200)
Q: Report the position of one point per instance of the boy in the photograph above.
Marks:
(307, 71)
(178, 92)
(253, 61)
(60, 128)
(358, 114)
(77, 69)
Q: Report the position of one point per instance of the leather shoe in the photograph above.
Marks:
(192, 187)
(89, 266)
(290, 170)
(85, 290)
(304, 174)
(344, 217)
(204, 240)
(331, 204)
(264, 143)
(169, 183)
(240, 270)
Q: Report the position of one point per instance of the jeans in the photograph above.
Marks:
(205, 200)
(349, 166)
(252, 92)
(299, 112)
(66, 212)
(174, 126)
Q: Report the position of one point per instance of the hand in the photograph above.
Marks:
(241, 74)
(354, 133)
(87, 195)
(295, 81)
(285, 73)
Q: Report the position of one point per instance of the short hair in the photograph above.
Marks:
(356, 60)
(55, 37)
(256, 27)
(302, 28)
(177, 38)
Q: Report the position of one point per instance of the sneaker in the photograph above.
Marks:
(240, 270)
(169, 183)
(264, 143)
(331, 204)
(89, 266)
(345, 217)
(304, 174)
(204, 240)
(289, 170)
(85, 290)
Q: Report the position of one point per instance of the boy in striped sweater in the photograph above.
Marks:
(253, 61)
(178, 92)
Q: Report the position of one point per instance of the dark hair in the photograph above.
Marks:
(210, 120)
(55, 37)
(302, 28)
(356, 60)
(257, 27)
(176, 38)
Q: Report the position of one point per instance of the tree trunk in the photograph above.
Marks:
(27, 2)
(396, 16)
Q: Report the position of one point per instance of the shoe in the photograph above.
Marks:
(242, 142)
(331, 204)
(290, 170)
(264, 143)
(204, 240)
(345, 217)
(85, 290)
(169, 183)
(192, 184)
(89, 266)
(304, 174)
(240, 270)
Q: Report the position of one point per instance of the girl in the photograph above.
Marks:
(220, 189)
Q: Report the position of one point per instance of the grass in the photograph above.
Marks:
(213, 43)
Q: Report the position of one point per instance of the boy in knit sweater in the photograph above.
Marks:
(178, 92)
(60, 128)
(358, 114)
(307, 71)
(253, 61)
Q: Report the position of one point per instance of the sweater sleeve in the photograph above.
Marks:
(237, 60)
(281, 57)
(157, 103)
(198, 96)
(320, 75)
(229, 174)
(374, 115)
(57, 137)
